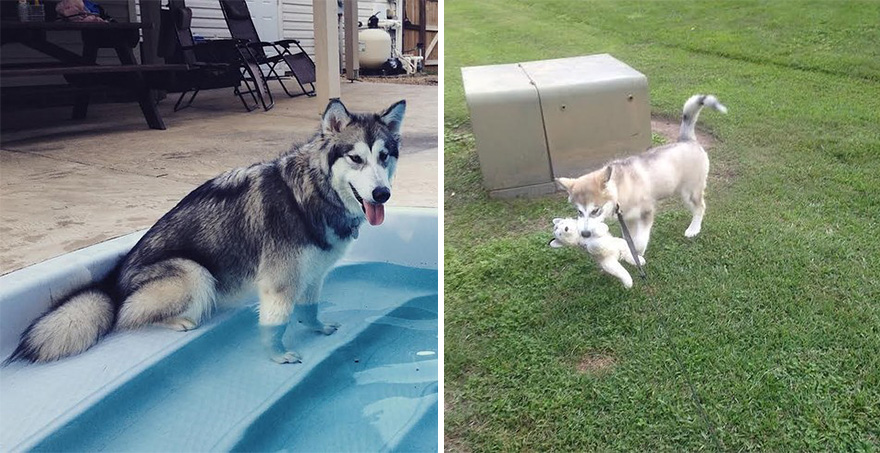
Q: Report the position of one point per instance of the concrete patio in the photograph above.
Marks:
(65, 184)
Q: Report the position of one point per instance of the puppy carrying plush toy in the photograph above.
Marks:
(606, 249)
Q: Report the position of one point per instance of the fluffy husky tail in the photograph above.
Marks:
(692, 110)
(72, 325)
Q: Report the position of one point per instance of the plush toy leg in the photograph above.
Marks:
(628, 257)
(616, 269)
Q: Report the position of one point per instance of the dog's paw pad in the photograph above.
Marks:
(691, 232)
(286, 357)
(180, 324)
(328, 329)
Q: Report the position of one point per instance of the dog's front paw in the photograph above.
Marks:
(327, 329)
(308, 316)
(286, 357)
(627, 281)
(271, 338)
(692, 231)
(317, 326)
(642, 260)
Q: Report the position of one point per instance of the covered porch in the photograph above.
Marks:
(68, 184)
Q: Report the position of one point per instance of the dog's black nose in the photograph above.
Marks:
(381, 194)
(585, 234)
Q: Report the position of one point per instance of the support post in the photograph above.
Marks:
(352, 49)
(327, 85)
(423, 26)
(150, 15)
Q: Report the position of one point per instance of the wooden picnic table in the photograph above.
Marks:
(120, 36)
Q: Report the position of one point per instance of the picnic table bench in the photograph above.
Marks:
(120, 36)
(56, 69)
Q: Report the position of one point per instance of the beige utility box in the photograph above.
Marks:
(538, 120)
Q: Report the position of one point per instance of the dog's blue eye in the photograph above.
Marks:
(595, 212)
(355, 159)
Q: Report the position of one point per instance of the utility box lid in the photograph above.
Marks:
(573, 71)
(538, 120)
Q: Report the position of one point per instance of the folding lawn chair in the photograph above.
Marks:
(300, 65)
(214, 64)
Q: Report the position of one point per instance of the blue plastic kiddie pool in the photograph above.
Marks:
(371, 386)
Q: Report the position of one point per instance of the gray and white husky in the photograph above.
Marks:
(635, 184)
(275, 227)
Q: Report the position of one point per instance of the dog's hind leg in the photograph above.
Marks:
(175, 293)
(695, 202)
(614, 268)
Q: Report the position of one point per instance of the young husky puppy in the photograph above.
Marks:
(606, 249)
(635, 184)
(275, 227)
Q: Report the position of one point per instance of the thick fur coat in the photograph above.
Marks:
(635, 184)
(274, 228)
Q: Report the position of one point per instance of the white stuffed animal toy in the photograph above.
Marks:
(606, 249)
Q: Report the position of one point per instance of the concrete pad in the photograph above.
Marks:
(51, 207)
(68, 184)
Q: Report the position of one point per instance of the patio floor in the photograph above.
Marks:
(65, 184)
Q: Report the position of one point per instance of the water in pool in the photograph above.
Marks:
(372, 386)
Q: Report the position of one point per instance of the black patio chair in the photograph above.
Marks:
(299, 64)
(214, 64)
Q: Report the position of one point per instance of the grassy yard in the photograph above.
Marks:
(774, 309)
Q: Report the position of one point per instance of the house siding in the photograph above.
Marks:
(208, 22)
(296, 19)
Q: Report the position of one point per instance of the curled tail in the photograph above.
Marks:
(70, 327)
(692, 110)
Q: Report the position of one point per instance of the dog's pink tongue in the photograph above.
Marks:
(375, 213)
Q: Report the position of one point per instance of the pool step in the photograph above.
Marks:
(364, 397)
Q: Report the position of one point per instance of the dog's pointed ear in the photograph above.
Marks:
(335, 117)
(393, 116)
(565, 183)
(609, 171)
(555, 244)
(557, 220)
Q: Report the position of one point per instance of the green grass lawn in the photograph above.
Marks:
(774, 308)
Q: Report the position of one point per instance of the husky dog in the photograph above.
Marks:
(635, 184)
(275, 227)
(595, 238)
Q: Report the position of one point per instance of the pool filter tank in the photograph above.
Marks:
(539, 120)
(374, 44)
